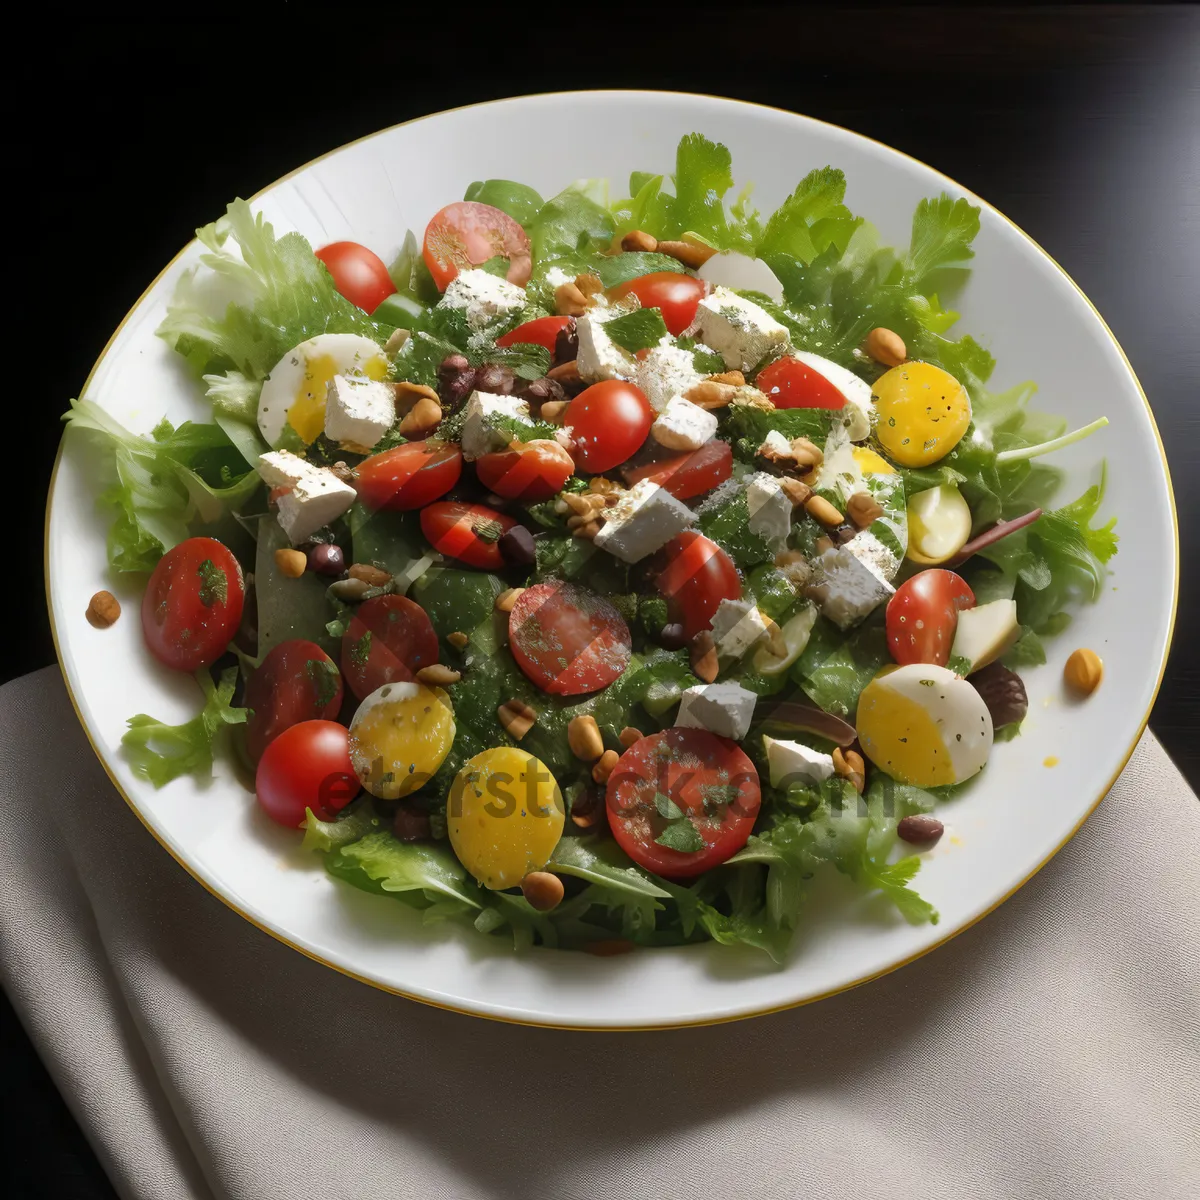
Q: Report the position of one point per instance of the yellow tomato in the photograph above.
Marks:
(505, 815)
(922, 413)
(399, 737)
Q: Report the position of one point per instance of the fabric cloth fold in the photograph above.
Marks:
(1051, 1050)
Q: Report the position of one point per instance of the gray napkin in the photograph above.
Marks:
(1051, 1050)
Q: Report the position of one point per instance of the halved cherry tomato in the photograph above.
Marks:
(389, 638)
(527, 471)
(469, 532)
(705, 779)
(792, 384)
(609, 421)
(922, 617)
(541, 331)
(689, 474)
(193, 604)
(297, 681)
(698, 576)
(306, 766)
(358, 273)
(568, 640)
(466, 234)
(676, 295)
(409, 476)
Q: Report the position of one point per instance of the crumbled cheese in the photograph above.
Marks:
(479, 434)
(358, 412)
(666, 372)
(737, 627)
(645, 519)
(482, 297)
(770, 509)
(725, 709)
(794, 762)
(845, 588)
(739, 330)
(683, 425)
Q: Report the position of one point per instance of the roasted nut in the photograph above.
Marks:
(569, 300)
(579, 520)
(822, 544)
(516, 546)
(920, 829)
(590, 285)
(1083, 671)
(407, 394)
(325, 558)
(794, 567)
(843, 533)
(103, 609)
(886, 347)
(459, 640)
(578, 503)
(733, 378)
(704, 656)
(630, 736)
(798, 493)
(671, 636)
(517, 718)
(583, 736)
(553, 411)
(692, 254)
(587, 531)
(647, 243)
(849, 765)
(438, 675)
(566, 373)
(370, 575)
(507, 598)
(422, 418)
(710, 394)
(1003, 691)
(494, 378)
(806, 454)
(349, 591)
(344, 471)
(751, 397)
(608, 947)
(821, 510)
(566, 345)
(587, 808)
(605, 767)
(410, 824)
(543, 890)
(291, 563)
(862, 508)
(396, 340)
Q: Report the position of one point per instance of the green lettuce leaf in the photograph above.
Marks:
(380, 862)
(521, 203)
(352, 824)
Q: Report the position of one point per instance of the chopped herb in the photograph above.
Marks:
(681, 835)
(638, 330)
(361, 650)
(213, 584)
(325, 677)
(488, 531)
(959, 665)
(667, 808)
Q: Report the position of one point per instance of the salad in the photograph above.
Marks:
(600, 571)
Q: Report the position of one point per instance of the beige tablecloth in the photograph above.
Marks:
(1051, 1051)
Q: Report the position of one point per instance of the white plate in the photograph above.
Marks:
(1036, 321)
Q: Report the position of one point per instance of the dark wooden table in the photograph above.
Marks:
(1081, 123)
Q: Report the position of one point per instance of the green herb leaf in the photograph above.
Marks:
(638, 330)
(325, 679)
(959, 665)
(666, 807)
(361, 650)
(213, 585)
(682, 836)
(811, 219)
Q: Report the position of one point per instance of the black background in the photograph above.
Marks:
(1080, 123)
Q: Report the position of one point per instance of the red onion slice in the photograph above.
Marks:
(1001, 529)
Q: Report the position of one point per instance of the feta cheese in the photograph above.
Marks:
(793, 762)
(358, 412)
(770, 509)
(875, 554)
(555, 277)
(482, 297)
(666, 372)
(839, 471)
(845, 588)
(725, 709)
(645, 519)
(775, 444)
(857, 392)
(683, 425)
(741, 332)
(480, 434)
(315, 497)
(598, 356)
(738, 626)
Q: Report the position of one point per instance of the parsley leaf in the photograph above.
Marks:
(811, 219)
(638, 330)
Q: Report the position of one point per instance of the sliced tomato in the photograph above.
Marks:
(609, 422)
(689, 474)
(567, 639)
(297, 681)
(409, 476)
(469, 532)
(467, 234)
(306, 766)
(389, 638)
(358, 273)
(682, 786)
(922, 617)
(792, 384)
(541, 331)
(527, 471)
(698, 576)
(676, 295)
(193, 604)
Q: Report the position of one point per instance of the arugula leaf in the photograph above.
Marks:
(602, 862)
(638, 330)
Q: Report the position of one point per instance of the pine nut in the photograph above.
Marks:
(543, 890)
(583, 736)
(569, 301)
(647, 243)
(703, 655)
(423, 417)
(691, 254)
(438, 675)
(605, 767)
(458, 640)
(886, 347)
(630, 736)
(821, 510)
(291, 563)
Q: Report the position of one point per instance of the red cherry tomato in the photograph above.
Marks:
(358, 273)
(541, 331)
(676, 295)
(698, 576)
(568, 640)
(922, 617)
(793, 384)
(528, 471)
(193, 604)
(712, 784)
(410, 476)
(297, 681)
(469, 532)
(389, 638)
(466, 234)
(689, 474)
(609, 421)
(306, 766)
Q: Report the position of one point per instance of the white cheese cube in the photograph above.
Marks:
(599, 357)
(666, 372)
(315, 500)
(683, 425)
(845, 589)
(740, 331)
(358, 412)
(725, 709)
(282, 468)
(875, 554)
(857, 392)
(481, 433)
(770, 509)
(645, 519)
(793, 762)
(738, 626)
(482, 297)
(774, 444)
